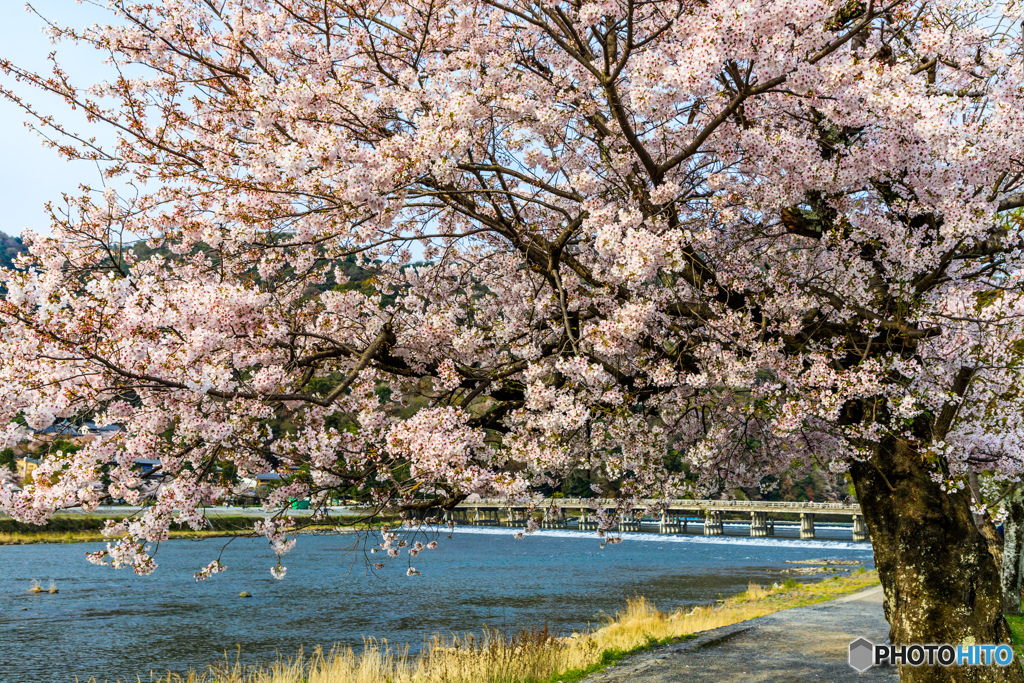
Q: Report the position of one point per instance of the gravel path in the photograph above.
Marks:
(792, 646)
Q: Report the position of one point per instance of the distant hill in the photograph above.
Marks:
(9, 248)
(360, 275)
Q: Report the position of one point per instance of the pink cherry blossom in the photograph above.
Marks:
(416, 252)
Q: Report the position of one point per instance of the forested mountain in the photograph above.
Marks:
(9, 248)
(360, 275)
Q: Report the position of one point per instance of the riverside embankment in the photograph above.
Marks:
(84, 528)
(799, 645)
(87, 528)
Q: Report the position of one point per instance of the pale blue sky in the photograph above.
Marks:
(31, 174)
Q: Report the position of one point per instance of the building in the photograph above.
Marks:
(25, 466)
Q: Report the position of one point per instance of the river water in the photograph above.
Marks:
(115, 625)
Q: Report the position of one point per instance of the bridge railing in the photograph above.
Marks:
(679, 503)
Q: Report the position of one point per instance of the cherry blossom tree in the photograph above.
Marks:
(764, 235)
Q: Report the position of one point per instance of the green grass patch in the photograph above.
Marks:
(1017, 634)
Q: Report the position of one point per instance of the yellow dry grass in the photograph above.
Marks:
(95, 536)
(526, 656)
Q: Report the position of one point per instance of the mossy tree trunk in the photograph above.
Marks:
(1013, 551)
(940, 581)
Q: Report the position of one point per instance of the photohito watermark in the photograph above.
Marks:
(864, 654)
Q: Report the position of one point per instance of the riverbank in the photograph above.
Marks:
(84, 528)
(804, 645)
(534, 655)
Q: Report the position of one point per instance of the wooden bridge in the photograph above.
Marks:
(676, 516)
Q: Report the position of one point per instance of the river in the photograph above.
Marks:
(113, 624)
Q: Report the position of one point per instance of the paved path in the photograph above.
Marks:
(793, 646)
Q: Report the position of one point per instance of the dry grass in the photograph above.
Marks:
(96, 536)
(527, 656)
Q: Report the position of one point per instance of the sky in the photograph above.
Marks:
(30, 174)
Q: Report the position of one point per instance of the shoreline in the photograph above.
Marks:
(83, 528)
(530, 655)
(790, 595)
(800, 645)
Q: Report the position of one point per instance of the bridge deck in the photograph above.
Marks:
(680, 504)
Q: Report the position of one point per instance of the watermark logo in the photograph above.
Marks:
(864, 654)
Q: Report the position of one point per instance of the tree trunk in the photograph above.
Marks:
(1013, 552)
(986, 527)
(938, 576)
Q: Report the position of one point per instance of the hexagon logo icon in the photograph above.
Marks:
(861, 654)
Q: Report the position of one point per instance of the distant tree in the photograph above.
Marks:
(64, 446)
(228, 474)
(10, 247)
(578, 485)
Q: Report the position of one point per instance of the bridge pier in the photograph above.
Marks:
(554, 523)
(671, 525)
(587, 524)
(629, 524)
(806, 525)
(713, 525)
(860, 530)
(758, 524)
